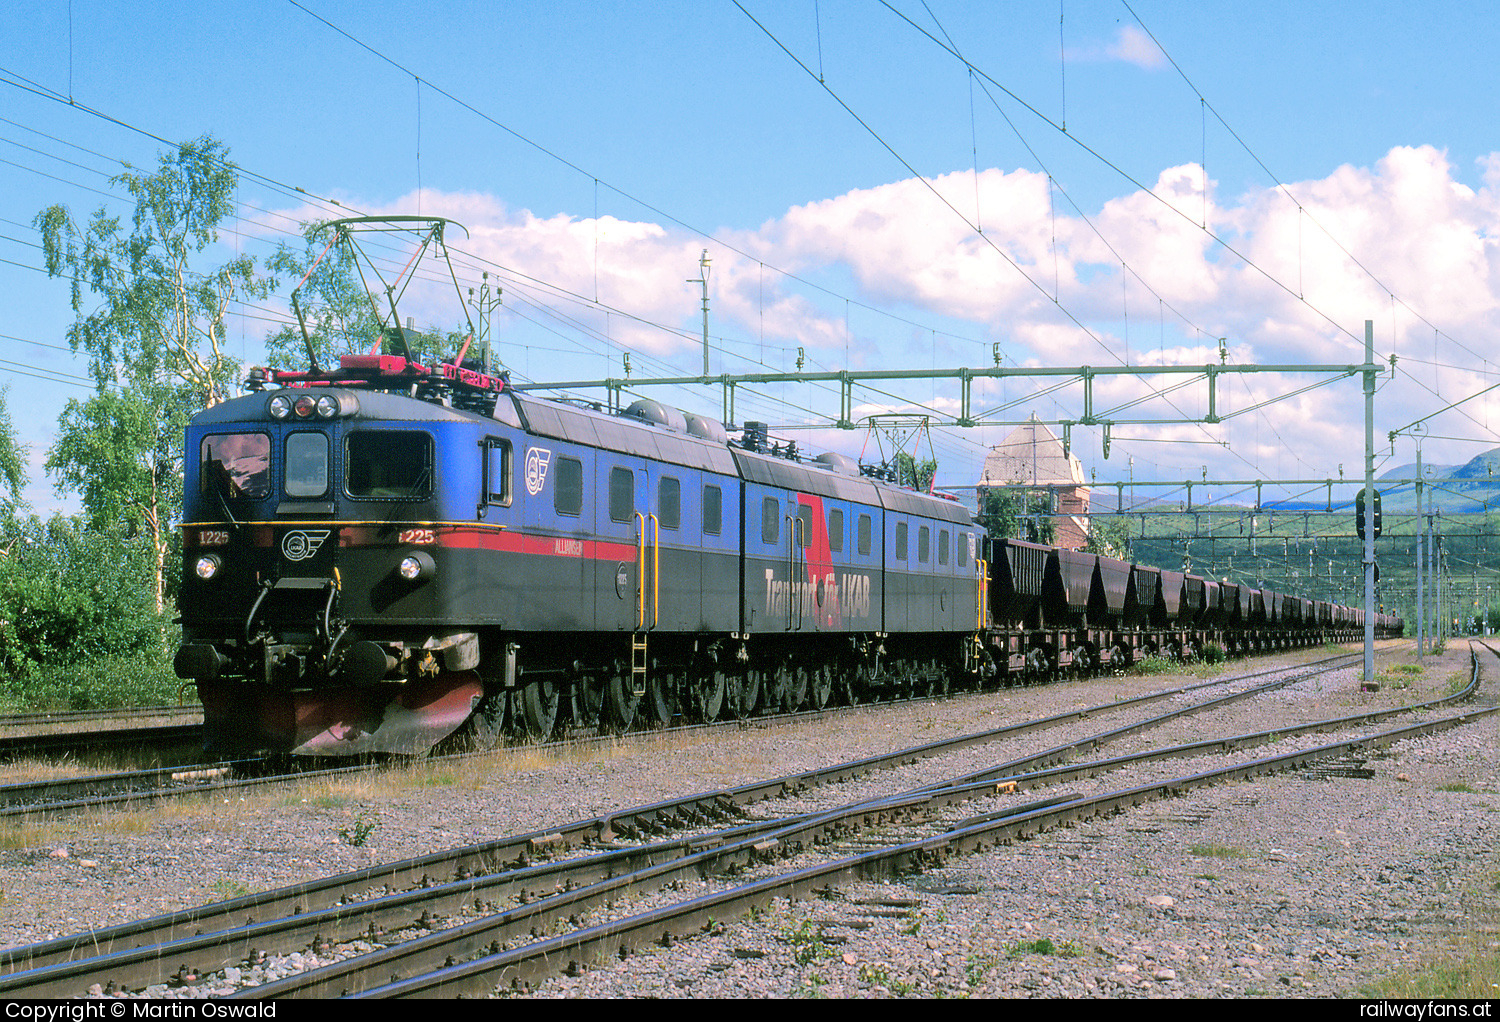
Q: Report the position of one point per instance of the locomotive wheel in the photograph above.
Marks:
(773, 683)
(708, 689)
(589, 694)
(743, 693)
(939, 679)
(620, 700)
(821, 690)
(845, 679)
(487, 726)
(537, 703)
(793, 684)
(1036, 665)
(661, 697)
(871, 681)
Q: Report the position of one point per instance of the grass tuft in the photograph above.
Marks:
(1217, 851)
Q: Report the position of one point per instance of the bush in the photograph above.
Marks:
(1213, 653)
(71, 596)
(103, 684)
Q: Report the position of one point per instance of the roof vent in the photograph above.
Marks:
(658, 414)
(835, 462)
(708, 429)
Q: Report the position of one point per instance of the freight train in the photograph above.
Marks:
(378, 555)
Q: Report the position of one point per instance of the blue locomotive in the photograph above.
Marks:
(369, 563)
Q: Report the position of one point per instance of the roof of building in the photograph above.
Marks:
(1031, 455)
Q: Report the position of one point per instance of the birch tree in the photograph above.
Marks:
(147, 313)
(153, 321)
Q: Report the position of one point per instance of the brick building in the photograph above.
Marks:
(1033, 458)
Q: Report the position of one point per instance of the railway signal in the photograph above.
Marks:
(1373, 509)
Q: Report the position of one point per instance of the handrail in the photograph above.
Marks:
(644, 536)
(795, 590)
(655, 571)
(640, 571)
(982, 606)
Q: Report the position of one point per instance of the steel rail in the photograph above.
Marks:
(743, 846)
(568, 952)
(54, 717)
(16, 746)
(494, 856)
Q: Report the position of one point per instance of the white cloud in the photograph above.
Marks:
(1135, 47)
(1295, 297)
(1130, 45)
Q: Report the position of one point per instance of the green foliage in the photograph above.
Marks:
(1044, 946)
(70, 595)
(878, 974)
(1016, 514)
(122, 453)
(359, 832)
(1217, 851)
(141, 679)
(807, 943)
(1213, 653)
(917, 475)
(1110, 537)
(12, 455)
(811, 987)
(160, 318)
(152, 321)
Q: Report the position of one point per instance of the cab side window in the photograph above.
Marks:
(567, 487)
(621, 494)
(669, 502)
(497, 471)
(713, 510)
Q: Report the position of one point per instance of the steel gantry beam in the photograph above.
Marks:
(848, 379)
(1121, 485)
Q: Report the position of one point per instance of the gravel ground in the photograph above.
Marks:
(1286, 886)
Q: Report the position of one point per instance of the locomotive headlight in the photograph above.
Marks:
(281, 406)
(328, 406)
(417, 567)
(208, 566)
(304, 406)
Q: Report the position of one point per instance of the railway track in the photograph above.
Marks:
(156, 742)
(502, 872)
(72, 718)
(123, 790)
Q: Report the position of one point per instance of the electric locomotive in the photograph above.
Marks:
(371, 561)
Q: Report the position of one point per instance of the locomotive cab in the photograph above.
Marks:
(308, 592)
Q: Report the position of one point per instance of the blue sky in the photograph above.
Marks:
(605, 145)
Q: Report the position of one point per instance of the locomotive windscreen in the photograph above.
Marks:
(389, 463)
(239, 464)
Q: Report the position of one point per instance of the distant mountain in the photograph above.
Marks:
(1475, 484)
